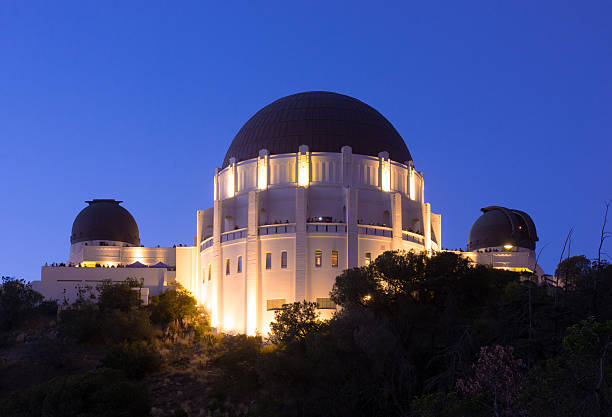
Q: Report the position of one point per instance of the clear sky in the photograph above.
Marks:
(500, 102)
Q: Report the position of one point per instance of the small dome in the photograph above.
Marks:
(322, 120)
(105, 219)
(500, 226)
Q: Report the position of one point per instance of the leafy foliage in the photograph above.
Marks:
(101, 393)
(295, 322)
(172, 308)
(18, 302)
(136, 359)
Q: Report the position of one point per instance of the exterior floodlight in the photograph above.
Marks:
(508, 246)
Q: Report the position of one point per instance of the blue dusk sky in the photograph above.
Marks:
(500, 103)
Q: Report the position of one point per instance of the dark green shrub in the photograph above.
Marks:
(136, 359)
(101, 393)
(19, 302)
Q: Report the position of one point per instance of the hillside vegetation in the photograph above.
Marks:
(414, 336)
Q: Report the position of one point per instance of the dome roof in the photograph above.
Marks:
(322, 120)
(499, 226)
(105, 219)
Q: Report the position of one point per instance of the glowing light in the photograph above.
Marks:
(508, 246)
(366, 298)
(230, 180)
(412, 190)
(262, 173)
(215, 187)
(386, 175)
(303, 170)
(251, 315)
(229, 323)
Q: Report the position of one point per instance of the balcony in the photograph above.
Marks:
(413, 237)
(371, 230)
(276, 229)
(206, 243)
(233, 235)
(319, 227)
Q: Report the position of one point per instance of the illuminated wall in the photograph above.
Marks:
(340, 204)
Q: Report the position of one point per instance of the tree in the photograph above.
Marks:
(172, 308)
(497, 381)
(573, 271)
(119, 295)
(577, 381)
(18, 301)
(294, 323)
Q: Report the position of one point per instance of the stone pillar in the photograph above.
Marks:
(396, 220)
(197, 290)
(411, 180)
(346, 166)
(252, 270)
(427, 226)
(217, 267)
(263, 173)
(233, 179)
(384, 171)
(301, 250)
(303, 168)
(352, 237)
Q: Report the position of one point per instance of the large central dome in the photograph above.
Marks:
(322, 120)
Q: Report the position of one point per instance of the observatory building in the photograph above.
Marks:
(312, 184)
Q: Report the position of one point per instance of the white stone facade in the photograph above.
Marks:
(284, 226)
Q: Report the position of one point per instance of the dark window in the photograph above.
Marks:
(284, 259)
(268, 260)
(239, 267)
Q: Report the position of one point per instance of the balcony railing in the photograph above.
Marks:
(233, 235)
(371, 230)
(206, 243)
(413, 237)
(276, 229)
(325, 227)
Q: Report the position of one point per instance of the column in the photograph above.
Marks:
(396, 220)
(352, 237)
(252, 267)
(217, 267)
(427, 226)
(301, 254)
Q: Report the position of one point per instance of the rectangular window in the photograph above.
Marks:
(326, 304)
(284, 259)
(318, 258)
(209, 271)
(275, 304)
(239, 267)
(368, 258)
(268, 260)
(227, 266)
(334, 259)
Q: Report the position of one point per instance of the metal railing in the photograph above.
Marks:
(233, 235)
(371, 230)
(276, 229)
(325, 227)
(413, 237)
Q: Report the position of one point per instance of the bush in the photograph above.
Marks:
(100, 393)
(19, 302)
(136, 359)
(237, 357)
(119, 295)
(172, 308)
